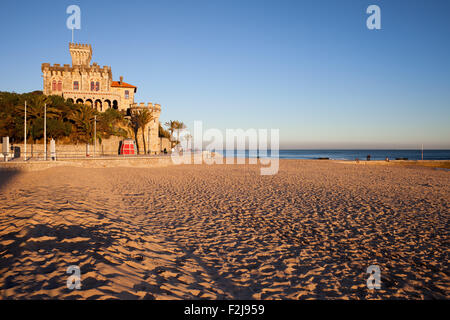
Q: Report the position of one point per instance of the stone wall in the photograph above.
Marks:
(153, 143)
(146, 162)
(165, 144)
(108, 147)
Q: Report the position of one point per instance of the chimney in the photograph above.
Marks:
(121, 79)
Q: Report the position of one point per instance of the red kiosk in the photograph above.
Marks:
(128, 147)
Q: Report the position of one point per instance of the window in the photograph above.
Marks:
(59, 85)
(97, 86)
(127, 94)
(75, 86)
(54, 85)
(92, 85)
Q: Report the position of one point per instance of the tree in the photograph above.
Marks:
(171, 126)
(64, 119)
(83, 121)
(163, 133)
(133, 124)
(65, 107)
(179, 126)
(10, 124)
(35, 115)
(188, 141)
(56, 128)
(109, 123)
(144, 117)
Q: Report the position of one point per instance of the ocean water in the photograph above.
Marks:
(375, 154)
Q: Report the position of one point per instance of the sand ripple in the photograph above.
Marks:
(222, 232)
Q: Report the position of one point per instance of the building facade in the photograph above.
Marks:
(90, 84)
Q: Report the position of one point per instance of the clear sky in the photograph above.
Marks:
(308, 67)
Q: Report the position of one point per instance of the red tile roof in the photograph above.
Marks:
(122, 85)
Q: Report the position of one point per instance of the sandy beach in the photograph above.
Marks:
(225, 232)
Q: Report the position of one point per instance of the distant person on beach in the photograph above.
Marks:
(368, 157)
(387, 159)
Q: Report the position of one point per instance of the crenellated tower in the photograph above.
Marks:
(151, 130)
(81, 54)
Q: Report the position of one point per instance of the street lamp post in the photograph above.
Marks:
(148, 139)
(95, 133)
(25, 134)
(45, 132)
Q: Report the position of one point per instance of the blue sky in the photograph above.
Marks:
(308, 67)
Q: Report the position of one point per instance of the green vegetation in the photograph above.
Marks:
(143, 118)
(138, 120)
(173, 125)
(163, 132)
(66, 122)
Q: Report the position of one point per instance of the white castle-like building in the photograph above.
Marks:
(90, 84)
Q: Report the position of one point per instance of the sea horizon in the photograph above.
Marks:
(350, 154)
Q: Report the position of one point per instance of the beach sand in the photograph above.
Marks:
(225, 232)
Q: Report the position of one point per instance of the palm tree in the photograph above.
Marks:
(83, 120)
(188, 141)
(35, 116)
(133, 124)
(179, 126)
(163, 133)
(171, 126)
(109, 124)
(143, 118)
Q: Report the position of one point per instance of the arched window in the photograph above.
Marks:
(75, 86)
(92, 85)
(54, 85)
(97, 86)
(60, 85)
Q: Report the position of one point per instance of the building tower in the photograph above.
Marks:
(81, 54)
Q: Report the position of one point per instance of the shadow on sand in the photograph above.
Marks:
(6, 175)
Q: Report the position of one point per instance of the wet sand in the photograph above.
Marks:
(225, 232)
